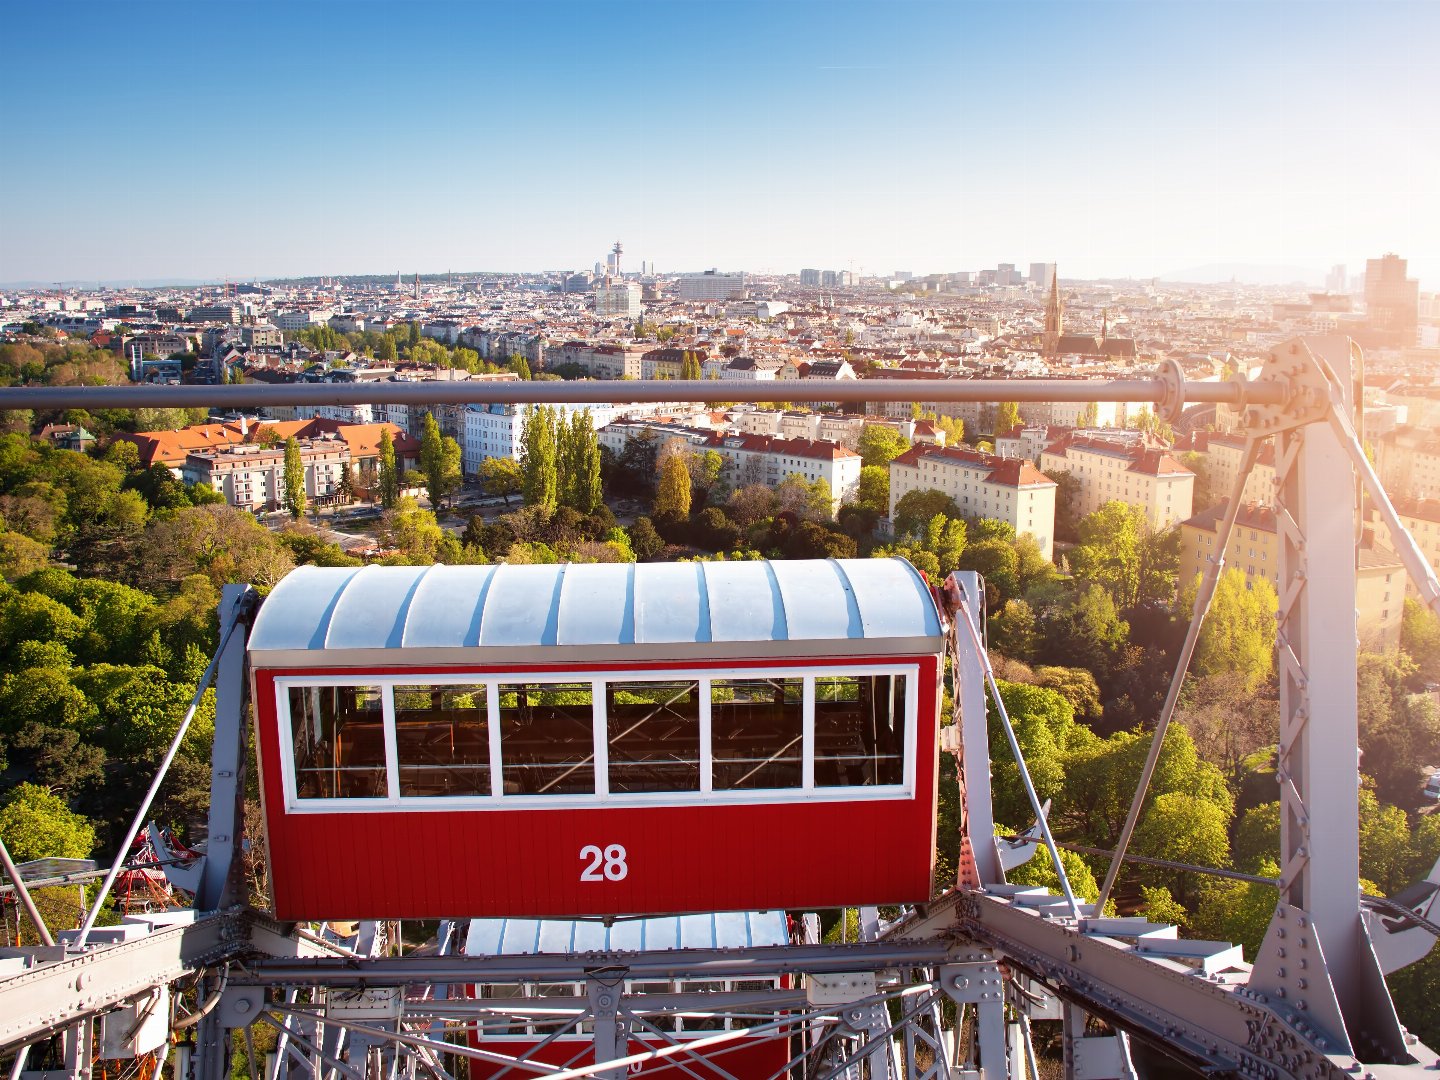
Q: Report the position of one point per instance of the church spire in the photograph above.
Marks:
(1054, 315)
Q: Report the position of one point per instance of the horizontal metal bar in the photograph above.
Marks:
(721, 1001)
(594, 392)
(688, 964)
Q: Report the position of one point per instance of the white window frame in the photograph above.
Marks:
(601, 797)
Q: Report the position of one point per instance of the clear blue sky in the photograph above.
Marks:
(221, 139)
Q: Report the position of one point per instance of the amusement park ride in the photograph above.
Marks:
(624, 791)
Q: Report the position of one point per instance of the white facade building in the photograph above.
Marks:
(711, 285)
(982, 486)
(618, 300)
(1149, 478)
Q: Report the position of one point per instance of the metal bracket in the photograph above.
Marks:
(240, 1006)
(1171, 377)
(1307, 391)
(973, 983)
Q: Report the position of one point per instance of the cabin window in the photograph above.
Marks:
(339, 739)
(471, 737)
(661, 1021)
(442, 740)
(694, 1022)
(547, 742)
(502, 1024)
(757, 1015)
(653, 736)
(757, 732)
(859, 730)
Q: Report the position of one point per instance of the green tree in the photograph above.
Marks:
(440, 462)
(38, 825)
(1089, 416)
(873, 490)
(540, 478)
(672, 495)
(645, 541)
(1067, 504)
(1238, 635)
(880, 445)
(1012, 630)
(294, 479)
(520, 366)
(589, 489)
(1007, 416)
(916, 509)
(501, 476)
(952, 427)
(1420, 637)
(1076, 685)
(1399, 731)
(1109, 551)
(389, 472)
(1183, 828)
(345, 490)
(224, 544)
(417, 538)
(1087, 634)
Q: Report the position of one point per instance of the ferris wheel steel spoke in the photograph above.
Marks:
(1203, 596)
(306, 1044)
(869, 1045)
(205, 680)
(670, 1040)
(963, 615)
(1416, 565)
(415, 1040)
(26, 900)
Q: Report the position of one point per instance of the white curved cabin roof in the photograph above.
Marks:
(450, 614)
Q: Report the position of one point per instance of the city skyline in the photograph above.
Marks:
(1116, 139)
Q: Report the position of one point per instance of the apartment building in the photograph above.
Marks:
(496, 430)
(1144, 476)
(252, 477)
(1072, 414)
(750, 369)
(1421, 518)
(605, 361)
(753, 459)
(1224, 455)
(1408, 460)
(618, 300)
(982, 486)
(711, 285)
(1254, 550)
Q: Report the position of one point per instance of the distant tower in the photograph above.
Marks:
(417, 286)
(1104, 324)
(1054, 317)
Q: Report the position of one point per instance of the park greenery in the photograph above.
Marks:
(112, 574)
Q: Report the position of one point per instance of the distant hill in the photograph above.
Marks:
(1249, 274)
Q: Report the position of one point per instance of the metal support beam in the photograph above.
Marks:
(220, 871)
(653, 965)
(604, 994)
(52, 996)
(972, 751)
(1317, 955)
(1154, 389)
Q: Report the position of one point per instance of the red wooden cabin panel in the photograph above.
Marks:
(690, 854)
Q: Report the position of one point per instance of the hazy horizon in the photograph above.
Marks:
(235, 141)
